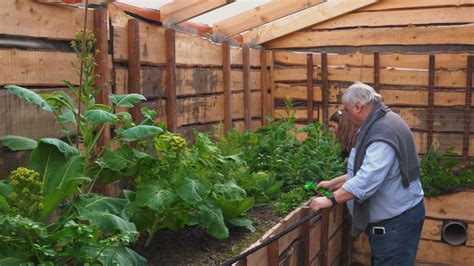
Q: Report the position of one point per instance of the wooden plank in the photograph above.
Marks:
(334, 247)
(444, 142)
(101, 69)
(377, 71)
(467, 107)
(457, 206)
(387, 60)
(134, 65)
(289, 220)
(324, 255)
(35, 68)
(208, 109)
(189, 81)
(309, 84)
(254, 125)
(22, 118)
(29, 18)
(324, 87)
(430, 107)
(305, 232)
(152, 43)
(407, 4)
(273, 253)
(170, 50)
(260, 15)
(236, 55)
(413, 77)
(432, 229)
(10, 160)
(303, 19)
(227, 107)
(438, 252)
(420, 16)
(315, 242)
(335, 220)
(271, 96)
(246, 85)
(182, 10)
(263, 85)
(460, 34)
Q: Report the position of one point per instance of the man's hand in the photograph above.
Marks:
(318, 203)
(326, 185)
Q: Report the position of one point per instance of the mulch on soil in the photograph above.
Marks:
(194, 246)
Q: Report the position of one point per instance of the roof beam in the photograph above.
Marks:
(303, 19)
(182, 10)
(260, 15)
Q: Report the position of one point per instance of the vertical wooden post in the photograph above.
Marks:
(346, 236)
(467, 107)
(377, 72)
(134, 65)
(272, 85)
(101, 70)
(324, 237)
(305, 232)
(227, 86)
(263, 85)
(430, 117)
(309, 87)
(274, 253)
(324, 87)
(170, 50)
(246, 85)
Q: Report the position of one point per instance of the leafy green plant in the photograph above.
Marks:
(444, 172)
(291, 200)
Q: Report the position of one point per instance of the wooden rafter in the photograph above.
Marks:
(182, 10)
(260, 15)
(303, 19)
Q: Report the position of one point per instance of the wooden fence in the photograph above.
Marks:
(431, 92)
(190, 81)
(320, 241)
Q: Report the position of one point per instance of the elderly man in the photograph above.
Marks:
(382, 186)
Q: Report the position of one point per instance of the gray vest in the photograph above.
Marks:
(384, 125)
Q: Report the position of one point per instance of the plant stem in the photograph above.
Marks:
(153, 231)
(83, 48)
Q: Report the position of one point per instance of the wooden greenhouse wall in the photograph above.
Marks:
(420, 66)
(316, 242)
(432, 250)
(201, 77)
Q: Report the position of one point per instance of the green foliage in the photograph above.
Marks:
(442, 173)
(291, 200)
(25, 241)
(16, 143)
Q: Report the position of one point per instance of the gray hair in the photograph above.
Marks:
(360, 93)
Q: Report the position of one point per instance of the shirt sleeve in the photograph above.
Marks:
(378, 160)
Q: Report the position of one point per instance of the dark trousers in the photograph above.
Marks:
(397, 242)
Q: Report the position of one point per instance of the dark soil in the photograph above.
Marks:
(195, 246)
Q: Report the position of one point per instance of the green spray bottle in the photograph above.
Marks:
(312, 186)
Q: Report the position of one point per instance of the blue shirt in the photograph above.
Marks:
(379, 179)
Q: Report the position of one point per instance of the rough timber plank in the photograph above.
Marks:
(36, 68)
(260, 15)
(208, 109)
(399, 17)
(30, 18)
(188, 9)
(438, 252)
(387, 60)
(457, 206)
(22, 118)
(152, 43)
(413, 77)
(189, 81)
(462, 34)
(432, 229)
(303, 19)
(407, 4)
